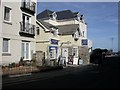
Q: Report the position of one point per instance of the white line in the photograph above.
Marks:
(18, 75)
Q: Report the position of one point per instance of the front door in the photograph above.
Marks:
(75, 57)
(65, 53)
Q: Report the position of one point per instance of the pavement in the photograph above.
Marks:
(30, 77)
(43, 69)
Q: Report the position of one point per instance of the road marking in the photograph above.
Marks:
(18, 75)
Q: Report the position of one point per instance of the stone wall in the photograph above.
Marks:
(84, 54)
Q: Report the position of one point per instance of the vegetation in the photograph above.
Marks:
(96, 55)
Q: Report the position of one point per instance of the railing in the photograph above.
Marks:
(28, 5)
(27, 28)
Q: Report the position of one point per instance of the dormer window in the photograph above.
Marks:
(53, 16)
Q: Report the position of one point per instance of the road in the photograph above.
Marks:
(88, 76)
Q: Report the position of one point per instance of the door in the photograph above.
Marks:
(75, 53)
(65, 53)
(53, 52)
(25, 50)
(26, 22)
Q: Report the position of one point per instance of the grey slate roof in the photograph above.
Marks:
(67, 29)
(62, 29)
(65, 14)
(45, 14)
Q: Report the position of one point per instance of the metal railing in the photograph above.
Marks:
(28, 5)
(27, 28)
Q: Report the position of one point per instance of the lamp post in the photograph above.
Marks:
(112, 39)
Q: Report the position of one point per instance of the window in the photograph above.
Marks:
(5, 45)
(27, 3)
(75, 52)
(83, 33)
(38, 31)
(7, 14)
(26, 22)
(52, 53)
(25, 50)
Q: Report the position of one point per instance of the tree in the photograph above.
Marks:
(96, 56)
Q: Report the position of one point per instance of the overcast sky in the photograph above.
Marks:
(101, 17)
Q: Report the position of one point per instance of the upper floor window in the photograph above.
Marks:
(38, 31)
(83, 33)
(26, 22)
(7, 14)
(5, 45)
(28, 6)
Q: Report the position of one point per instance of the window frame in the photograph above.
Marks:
(38, 31)
(26, 19)
(24, 52)
(10, 9)
(75, 51)
(7, 45)
(83, 33)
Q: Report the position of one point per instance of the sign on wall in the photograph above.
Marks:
(53, 41)
(84, 42)
(53, 52)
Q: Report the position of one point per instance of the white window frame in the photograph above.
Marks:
(26, 21)
(9, 14)
(76, 51)
(8, 45)
(83, 33)
(24, 53)
(54, 54)
(37, 31)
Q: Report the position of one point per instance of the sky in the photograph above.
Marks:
(101, 18)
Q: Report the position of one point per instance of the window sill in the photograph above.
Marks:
(6, 54)
(7, 22)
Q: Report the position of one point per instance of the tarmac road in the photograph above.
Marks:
(88, 76)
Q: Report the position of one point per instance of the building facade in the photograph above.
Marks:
(72, 30)
(0, 33)
(18, 30)
(47, 41)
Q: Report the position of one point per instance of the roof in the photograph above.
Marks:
(67, 29)
(47, 25)
(45, 14)
(66, 14)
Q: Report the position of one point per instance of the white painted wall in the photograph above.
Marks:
(11, 31)
(0, 33)
(53, 22)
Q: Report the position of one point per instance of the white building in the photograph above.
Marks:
(17, 35)
(72, 28)
(0, 33)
